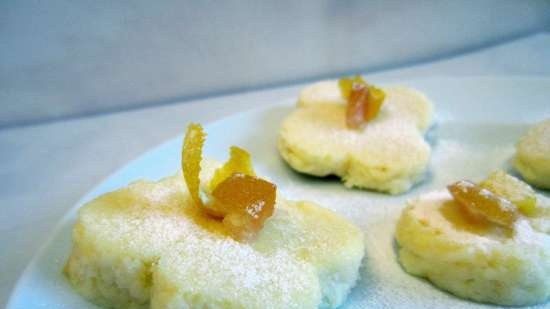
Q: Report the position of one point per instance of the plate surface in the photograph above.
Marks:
(478, 121)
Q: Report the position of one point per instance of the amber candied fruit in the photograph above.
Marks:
(363, 101)
(375, 100)
(246, 202)
(483, 204)
(357, 106)
(512, 189)
(191, 156)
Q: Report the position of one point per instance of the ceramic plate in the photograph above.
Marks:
(477, 124)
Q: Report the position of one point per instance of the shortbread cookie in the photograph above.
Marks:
(304, 256)
(477, 259)
(387, 154)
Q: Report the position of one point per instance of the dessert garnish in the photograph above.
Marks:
(238, 198)
(363, 101)
(245, 202)
(482, 204)
(191, 157)
(500, 198)
(513, 189)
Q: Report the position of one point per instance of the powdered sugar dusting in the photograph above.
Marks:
(254, 209)
(225, 269)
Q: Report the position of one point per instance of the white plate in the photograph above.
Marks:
(478, 122)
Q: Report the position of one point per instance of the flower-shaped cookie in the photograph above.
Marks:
(489, 242)
(151, 245)
(387, 154)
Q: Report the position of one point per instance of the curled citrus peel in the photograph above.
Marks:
(241, 200)
(363, 101)
(191, 157)
(482, 204)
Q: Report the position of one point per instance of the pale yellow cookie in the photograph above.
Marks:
(476, 259)
(388, 154)
(148, 245)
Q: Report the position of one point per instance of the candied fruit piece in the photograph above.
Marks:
(191, 156)
(239, 162)
(481, 203)
(375, 100)
(512, 189)
(346, 84)
(357, 106)
(246, 202)
(363, 101)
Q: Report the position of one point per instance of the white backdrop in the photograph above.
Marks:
(64, 58)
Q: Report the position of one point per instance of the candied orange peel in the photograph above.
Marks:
(240, 199)
(364, 101)
(246, 202)
(191, 157)
(482, 204)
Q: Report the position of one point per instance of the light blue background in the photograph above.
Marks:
(64, 58)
